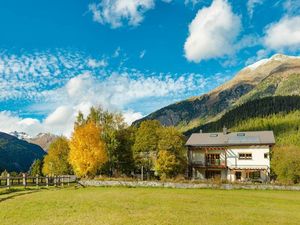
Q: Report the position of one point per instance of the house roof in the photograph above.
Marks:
(232, 139)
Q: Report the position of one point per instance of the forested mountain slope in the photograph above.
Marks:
(280, 114)
(276, 76)
(17, 155)
(258, 108)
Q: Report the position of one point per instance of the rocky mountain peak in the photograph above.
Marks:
(42, 139)
(20, 135)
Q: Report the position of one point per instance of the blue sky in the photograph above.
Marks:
(133, 56)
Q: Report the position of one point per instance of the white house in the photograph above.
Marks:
(236, 156)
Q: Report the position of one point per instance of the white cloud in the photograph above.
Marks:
(93, 63)
(292, 7)
(213, 32)
(114, 93)
(118, 12)
(55, 86)
(247, 41)
(56, 123)
(131, 116)
(59, 116)
(10, 122)
(142, 54)
(284, 34)
(117, 90)
(193, 2)
(260, 54)
(251, 4)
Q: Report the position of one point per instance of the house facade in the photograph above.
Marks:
(236, 156)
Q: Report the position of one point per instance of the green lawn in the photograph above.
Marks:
(90, 206)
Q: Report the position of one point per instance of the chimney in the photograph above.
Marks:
(200, 131)
(225, 130)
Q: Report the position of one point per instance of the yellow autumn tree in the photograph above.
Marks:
(87, 150)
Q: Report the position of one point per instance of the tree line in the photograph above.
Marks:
(102, 144)
(258, 108)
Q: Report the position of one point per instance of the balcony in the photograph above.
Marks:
(216, 163)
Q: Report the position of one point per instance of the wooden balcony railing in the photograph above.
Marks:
(210, 163)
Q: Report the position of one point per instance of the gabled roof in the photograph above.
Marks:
(232, 139)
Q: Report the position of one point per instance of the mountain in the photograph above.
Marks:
(17, 155)
(20, 135)
(256, 109)
(42, 139)
(279, 113)
(275, 76)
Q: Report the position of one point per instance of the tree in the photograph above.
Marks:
(166, 164)
(286, 163)
(111, 124)
(56, 162)
(171, 157)
(145, 145)
(123, 154)
(87, 149)
(36, 167)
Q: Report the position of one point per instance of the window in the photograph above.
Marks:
(238, 175)
(241, 134)
(245, 156)
(211, 174)
(254, 175)
(266, 155)
(213, 159)
(213, 135)
(198, 157)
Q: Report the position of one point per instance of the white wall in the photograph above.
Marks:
(257, 160)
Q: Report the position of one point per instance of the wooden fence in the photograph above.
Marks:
(38, 181)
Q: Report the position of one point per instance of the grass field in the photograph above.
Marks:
(91, 206)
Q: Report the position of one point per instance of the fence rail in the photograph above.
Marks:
(38, 181)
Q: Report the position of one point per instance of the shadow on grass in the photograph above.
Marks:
(13, 193)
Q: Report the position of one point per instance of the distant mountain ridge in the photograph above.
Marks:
(17, 155)
(275, 76)
(20, 135)
(42, 139)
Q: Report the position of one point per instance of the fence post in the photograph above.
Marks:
(24, 180)
(8, 180)
(69, 180)
(37, 180)
(142, 173)
(47, 181)
(54, 180)
(62, 180)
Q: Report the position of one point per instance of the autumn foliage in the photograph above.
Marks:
(87, 150)
(56, 162)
